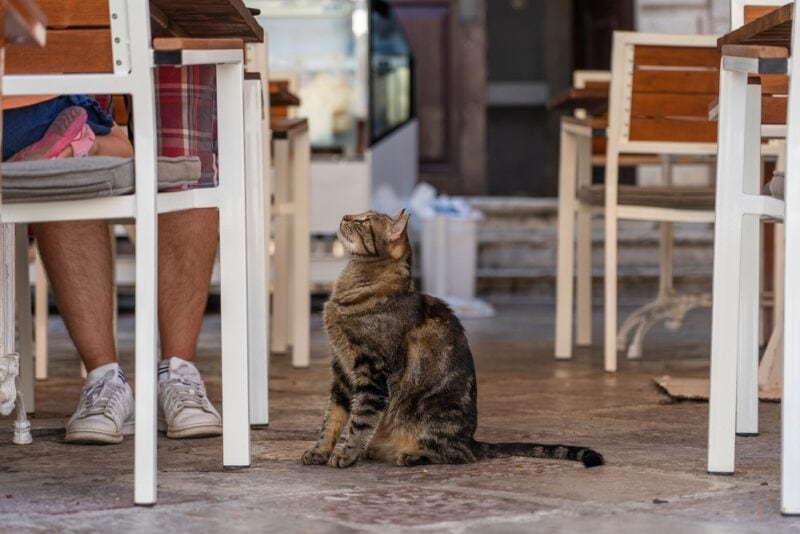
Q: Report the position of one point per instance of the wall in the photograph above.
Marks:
(683, 16)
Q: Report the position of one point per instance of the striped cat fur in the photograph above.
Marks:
(403, 385)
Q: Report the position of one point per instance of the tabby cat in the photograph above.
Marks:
(403, 375)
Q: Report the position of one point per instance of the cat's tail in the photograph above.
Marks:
(588, 457)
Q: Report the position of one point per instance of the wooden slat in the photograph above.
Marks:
(597, 85)
(751, 13)
(599, 145)
(76, 13)
(579, 99)
(184, 43)
(670, 105)
(676, 56)
(755, 51)
(673, 130)
(67, 51)
(771, 29)
(675, 81)
(211, 18)
(774, 84)
(773, 109)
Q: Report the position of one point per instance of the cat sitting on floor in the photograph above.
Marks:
(403, 376)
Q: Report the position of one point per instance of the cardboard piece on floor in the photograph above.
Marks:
(696, 389)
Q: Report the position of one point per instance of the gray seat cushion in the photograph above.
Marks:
(684, 198)
(93, 177)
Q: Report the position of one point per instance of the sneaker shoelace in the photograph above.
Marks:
(103, 397)
(182, 392)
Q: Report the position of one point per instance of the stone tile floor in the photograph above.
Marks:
(655, 480)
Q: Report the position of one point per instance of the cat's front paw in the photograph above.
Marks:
(343, 456)
(315, 456)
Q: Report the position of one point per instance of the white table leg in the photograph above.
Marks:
(301, 248)
(257, 273)
(565, 270)
(233, 268)
(727, 257)
(282, 258)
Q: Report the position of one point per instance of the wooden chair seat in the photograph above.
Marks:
(672, 197)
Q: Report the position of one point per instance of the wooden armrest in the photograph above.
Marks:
(186, 43)
(285, 128)
(755, 51)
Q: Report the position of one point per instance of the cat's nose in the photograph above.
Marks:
(347, 218)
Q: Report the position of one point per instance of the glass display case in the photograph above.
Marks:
(349, 63)
(391, 72)
(353, 70)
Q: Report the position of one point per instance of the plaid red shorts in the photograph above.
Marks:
(186, 108)
(186, 113)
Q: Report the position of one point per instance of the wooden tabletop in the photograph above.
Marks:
(772, 29)
(24, 24)
(592, 99)
(205, 19)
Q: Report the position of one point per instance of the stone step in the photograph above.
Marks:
(518, 243)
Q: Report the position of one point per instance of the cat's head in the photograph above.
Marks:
(375, 235)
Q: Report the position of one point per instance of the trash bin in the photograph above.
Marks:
(450, 254)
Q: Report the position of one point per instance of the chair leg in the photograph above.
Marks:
(583, 255)
(24, 317)
(790, 400)
(610, 281)
(282, 259)
(233, 269)
(747, 360)
(257, 273)
(301, 249)
(727, 257)
(565, 278)
(42, 315)
(749, 283)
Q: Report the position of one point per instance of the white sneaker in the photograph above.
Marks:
(184, 410)
(106, 410)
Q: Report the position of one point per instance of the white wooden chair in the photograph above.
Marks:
(129, 71)
(652, 112)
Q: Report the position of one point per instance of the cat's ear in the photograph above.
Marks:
(399, 225)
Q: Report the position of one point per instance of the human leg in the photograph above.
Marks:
(187, 250)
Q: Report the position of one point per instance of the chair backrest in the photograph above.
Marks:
(744, 11)
(78, 41)
(661, 89)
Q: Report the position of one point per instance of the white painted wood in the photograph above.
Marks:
(233, 267)
(283, 254)
(790, 401)
(566, 243)
(583, 253)
(749, 284)
(727, 255)
(257, 280)
(301, 248)
(145, 211)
